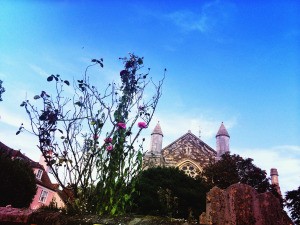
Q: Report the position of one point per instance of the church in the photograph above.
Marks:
(189, 153)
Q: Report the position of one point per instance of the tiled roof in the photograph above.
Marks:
(222, 131)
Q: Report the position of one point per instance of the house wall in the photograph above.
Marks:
(59, 202)
(36, 203)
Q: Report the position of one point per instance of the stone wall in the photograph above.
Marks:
(240, 204)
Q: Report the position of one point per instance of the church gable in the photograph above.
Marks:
(188, 152)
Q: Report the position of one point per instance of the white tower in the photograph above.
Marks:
(274, 179)
(156, 140)
(154, 157)
(222, 141)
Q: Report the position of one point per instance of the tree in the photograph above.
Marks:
(292, 202)
(17, 182)
(2, 90)
(70, 128)
(169, 191)
(233, 169)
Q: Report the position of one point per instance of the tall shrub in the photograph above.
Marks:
(90, 139)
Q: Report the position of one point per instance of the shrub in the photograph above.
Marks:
(17, 182)
(170, 192)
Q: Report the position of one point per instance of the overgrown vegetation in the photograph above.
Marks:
(292, 199)
(89, 139)
(170, 192)
(17, 182)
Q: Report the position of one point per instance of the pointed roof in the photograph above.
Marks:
(222, 131)
(157, 130)
(198, 142)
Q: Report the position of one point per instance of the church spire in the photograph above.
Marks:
(156, 140)
(222, 131)
(222, 141)
(157, 130)
(274, 179)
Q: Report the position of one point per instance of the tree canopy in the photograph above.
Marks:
(233, 169)
(292, 199)
(18, 185)
(169, 191)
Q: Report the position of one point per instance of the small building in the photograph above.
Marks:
(46, 190)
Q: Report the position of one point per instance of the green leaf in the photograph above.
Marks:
(140, 61)
(36, 97)
(50, 78)
(126, 197)
(113, 210)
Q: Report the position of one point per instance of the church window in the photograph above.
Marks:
(190, 169)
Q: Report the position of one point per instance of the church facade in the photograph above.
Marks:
(188, 153)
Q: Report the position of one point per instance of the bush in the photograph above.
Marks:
(170, 192)
(293, 204)
(17, 182)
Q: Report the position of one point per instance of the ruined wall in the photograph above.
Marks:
(240, 204)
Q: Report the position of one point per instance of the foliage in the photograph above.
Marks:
(2, 90)
(52, 206)
(292, 202)
(169, 191)
(17, 182)
(90, 140)
(233, 169)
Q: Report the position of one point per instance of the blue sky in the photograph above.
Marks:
(231, 61)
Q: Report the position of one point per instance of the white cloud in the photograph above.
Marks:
(25, 141)
(38, 70)
(3, 75)
(189, 21)
(286, 159)
(208, 18)
(13, 119)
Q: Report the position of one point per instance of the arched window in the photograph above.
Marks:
(189, 168)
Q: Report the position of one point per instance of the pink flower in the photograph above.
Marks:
(109, 148)
(121, 125)
(108, 140)
(95, 137)
(142, 125)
